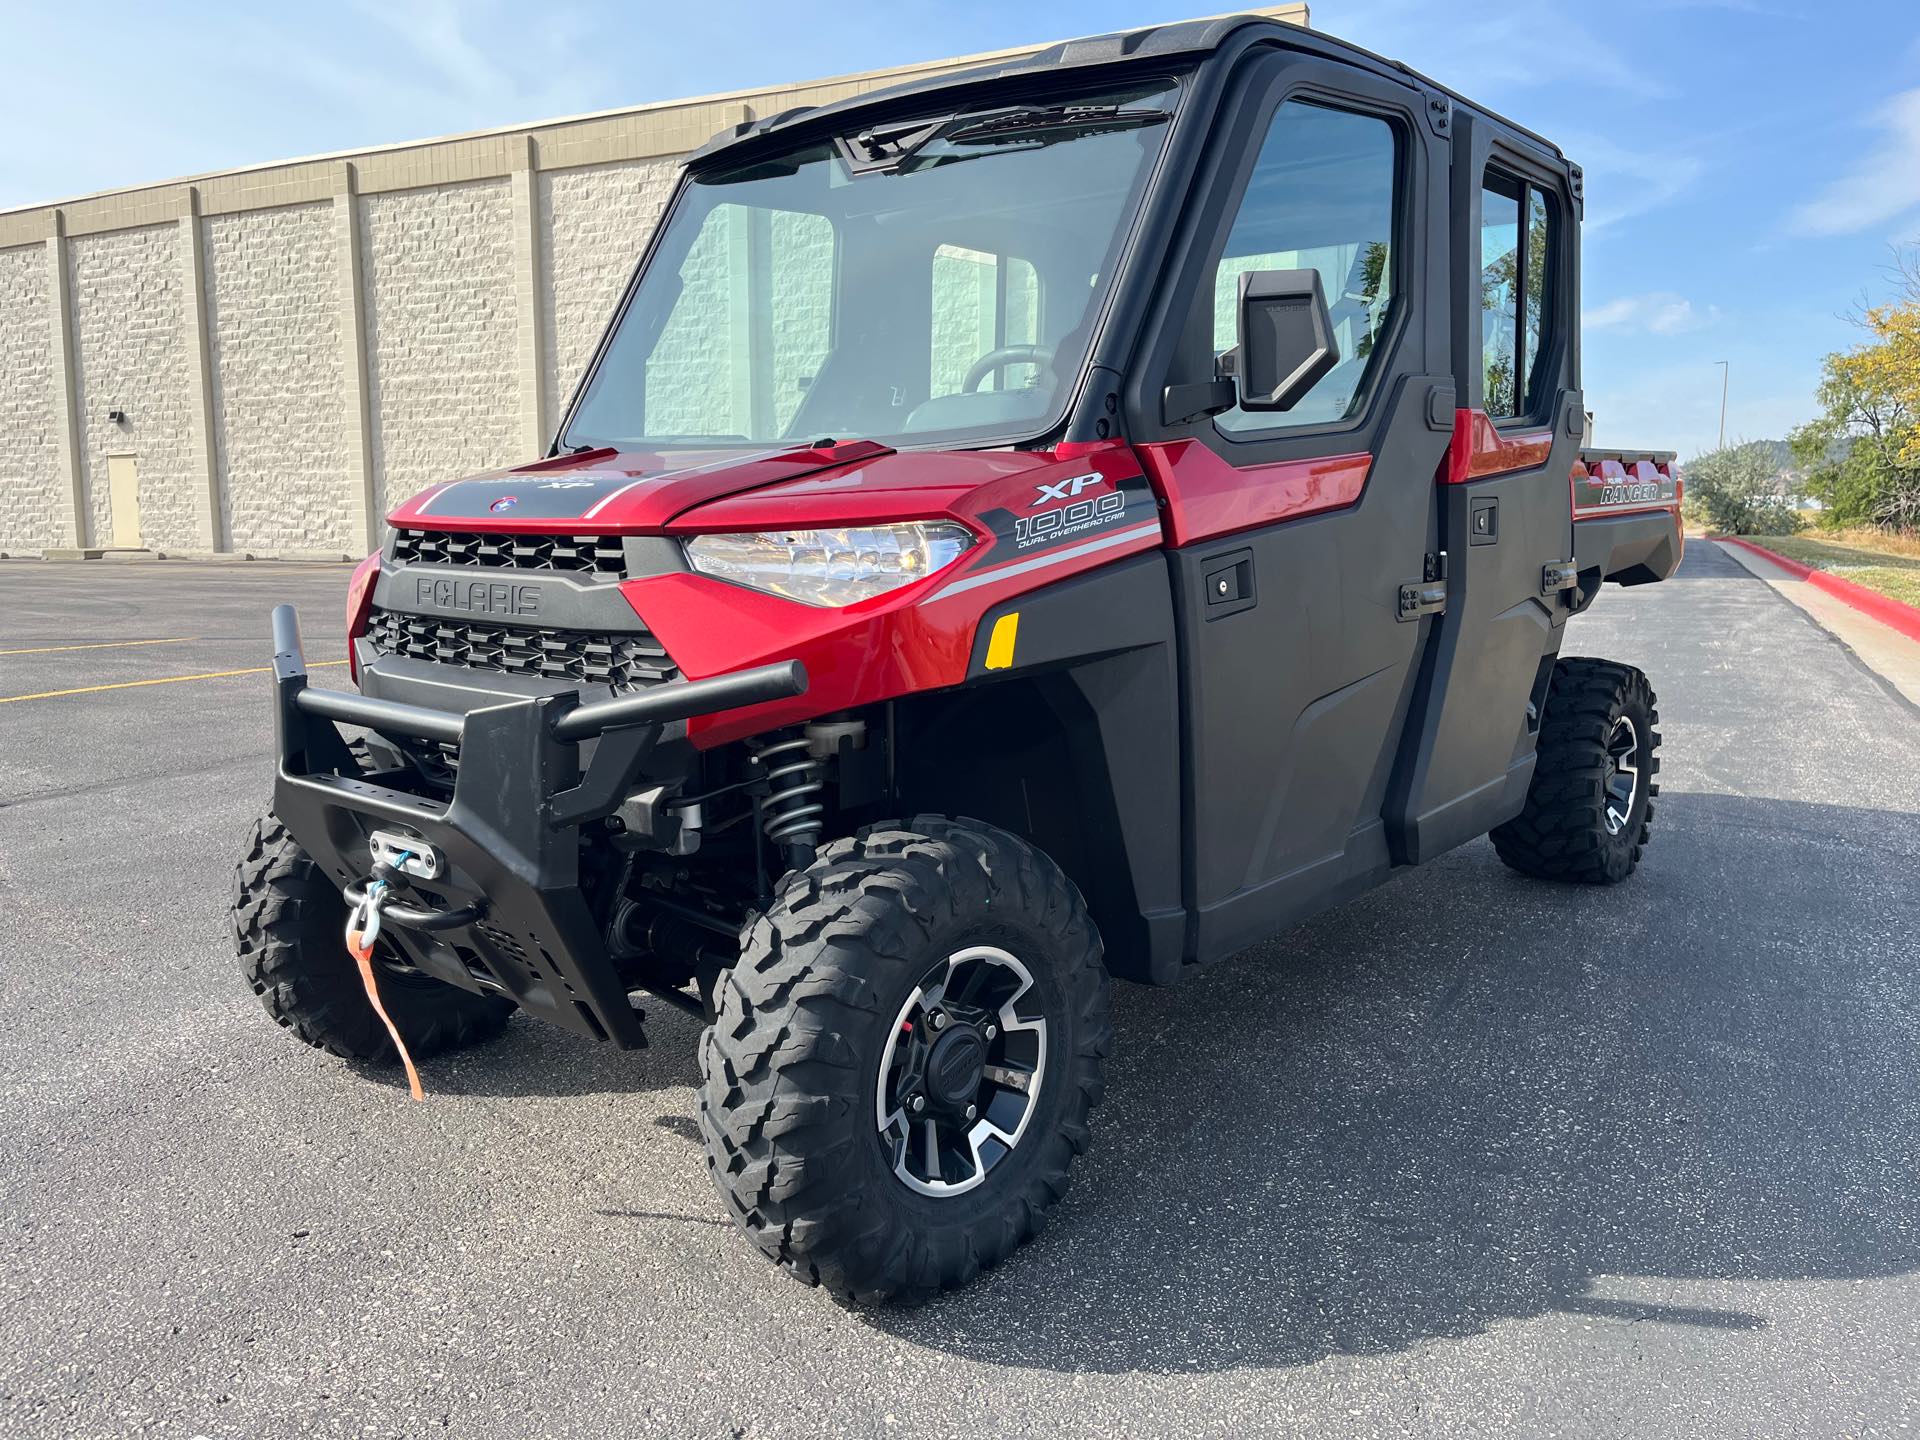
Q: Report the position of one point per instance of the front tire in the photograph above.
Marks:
(289, 925)
(936, 961)
(1589, 810)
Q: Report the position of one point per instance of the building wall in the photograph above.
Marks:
(299, 346)
(29, 448)
(593, 223)
(441, 330)
(279, 387)
(130, 354)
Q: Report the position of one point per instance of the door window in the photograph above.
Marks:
(1321, 197)
(1515, 271)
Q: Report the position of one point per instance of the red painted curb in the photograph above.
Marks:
(1888, 611)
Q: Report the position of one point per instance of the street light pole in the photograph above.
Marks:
(1726, 372)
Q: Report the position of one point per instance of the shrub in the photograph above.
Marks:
(1737, 491)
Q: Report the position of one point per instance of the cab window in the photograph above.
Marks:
(1515, 276)
(1321, 197)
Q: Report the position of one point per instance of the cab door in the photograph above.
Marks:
(1292, 535)
(1505, 498)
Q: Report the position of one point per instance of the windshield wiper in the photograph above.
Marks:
(888, 149)
(1050, 119)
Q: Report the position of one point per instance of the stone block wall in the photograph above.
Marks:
(594, 222)
(441, 329)
(279, 390)
(130, 354)
(30, 478)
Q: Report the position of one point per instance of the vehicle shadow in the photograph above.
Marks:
(531, 1058)
(1470, 1097)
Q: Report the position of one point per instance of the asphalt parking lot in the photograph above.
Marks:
(1471, 1155)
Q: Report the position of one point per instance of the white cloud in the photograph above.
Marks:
(1884, 184)
(1659, 312)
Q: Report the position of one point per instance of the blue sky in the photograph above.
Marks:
(1749, 162)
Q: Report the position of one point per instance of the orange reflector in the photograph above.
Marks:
(1000, 644)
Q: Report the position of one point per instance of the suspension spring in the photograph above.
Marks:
(789, 814)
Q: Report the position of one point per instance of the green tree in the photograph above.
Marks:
(1736, 491)
(1862, 453)
(1373, 279)
(1854, 453)
(1502, 298)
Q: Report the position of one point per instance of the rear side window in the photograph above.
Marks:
(1322, 197)
(1517, 240)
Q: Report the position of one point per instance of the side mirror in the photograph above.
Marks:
(1286, 342)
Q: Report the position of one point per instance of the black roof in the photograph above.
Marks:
(1183, 38)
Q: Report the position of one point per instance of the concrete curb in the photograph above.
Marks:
(1890, 612)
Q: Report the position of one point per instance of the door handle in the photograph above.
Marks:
(1227, 583)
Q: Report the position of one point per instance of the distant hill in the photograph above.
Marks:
(1780, 453)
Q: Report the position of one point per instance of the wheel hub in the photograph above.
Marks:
(1623, 773)
(961, 1071)
(954, 1068)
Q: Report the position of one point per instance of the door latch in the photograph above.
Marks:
(1427, 595)
(1557, 576)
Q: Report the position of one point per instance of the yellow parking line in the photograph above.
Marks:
(100, 645)
(162, 680)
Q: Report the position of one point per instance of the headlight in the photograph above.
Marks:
(831, 567)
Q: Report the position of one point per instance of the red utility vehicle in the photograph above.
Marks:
(1162, 453)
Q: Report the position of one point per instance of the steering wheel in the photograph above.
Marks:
(1001, 357)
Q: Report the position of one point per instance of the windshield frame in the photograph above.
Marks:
(942, 107)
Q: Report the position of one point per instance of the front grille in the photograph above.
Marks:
(599, 557)
(626, 661)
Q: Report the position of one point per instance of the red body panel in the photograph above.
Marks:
(1021, 504)
(359, 606)
(1478, 449)
(1206, 497)
(916, 639)
(913, 486)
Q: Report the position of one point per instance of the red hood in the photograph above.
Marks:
(616, 491)
(640, 492)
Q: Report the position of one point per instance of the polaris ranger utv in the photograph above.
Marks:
(1071, 518)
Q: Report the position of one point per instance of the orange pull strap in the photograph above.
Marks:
(363, 957)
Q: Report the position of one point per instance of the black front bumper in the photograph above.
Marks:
(507, 915)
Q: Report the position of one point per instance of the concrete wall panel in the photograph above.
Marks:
(30, 479)
(131, 354)
(440, 334)
(594, 222)
(279, 395)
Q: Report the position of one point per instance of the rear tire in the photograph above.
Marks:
(289, 925)
(1589, 810)
(883, 950)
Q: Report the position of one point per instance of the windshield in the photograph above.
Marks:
(932, 283)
